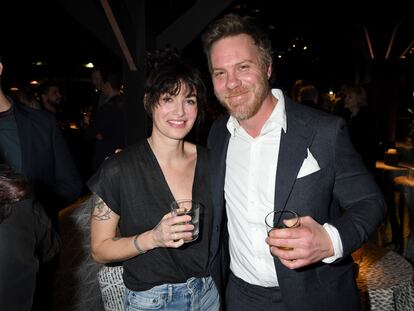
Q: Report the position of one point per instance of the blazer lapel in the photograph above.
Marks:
(217, 156)
(219, 173)
(292, 152)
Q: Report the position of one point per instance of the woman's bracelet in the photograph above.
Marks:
(140, 251)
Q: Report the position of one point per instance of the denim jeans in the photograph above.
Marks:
(197, 294)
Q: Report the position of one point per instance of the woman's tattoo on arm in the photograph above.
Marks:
(101, 211)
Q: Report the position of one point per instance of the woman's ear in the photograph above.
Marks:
(145, 100)
(147, 107)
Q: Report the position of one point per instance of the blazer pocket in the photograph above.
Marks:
(309, 166)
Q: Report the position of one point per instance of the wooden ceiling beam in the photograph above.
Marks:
(118, 35)
(188, 26)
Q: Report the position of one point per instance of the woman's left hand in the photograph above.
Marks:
(172, 231)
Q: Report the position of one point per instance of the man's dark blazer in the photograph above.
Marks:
(46, 160)
(342, 193)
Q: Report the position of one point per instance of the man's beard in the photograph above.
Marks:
(246, 110)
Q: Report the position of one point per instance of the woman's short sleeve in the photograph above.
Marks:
(106, 183)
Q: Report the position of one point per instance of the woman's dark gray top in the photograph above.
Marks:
(132, 184)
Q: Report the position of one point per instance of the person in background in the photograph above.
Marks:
(26, 96)
(50, 97)
(309, 95)
(133, 191)
(88, 112)
(340, 109)
(107, 129)
(97, 79)
(32, 144)
(274, 154)
(26, 237)
(297, 85)
(51, 100)
(361, 125)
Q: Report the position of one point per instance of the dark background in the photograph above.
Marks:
(337, 48)
(334, 34)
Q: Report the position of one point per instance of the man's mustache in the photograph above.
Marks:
(237, 93)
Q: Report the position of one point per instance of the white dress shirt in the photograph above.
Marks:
(251, 167)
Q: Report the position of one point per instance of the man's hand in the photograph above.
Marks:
(310, 242)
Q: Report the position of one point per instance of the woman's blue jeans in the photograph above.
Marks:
(197, 294)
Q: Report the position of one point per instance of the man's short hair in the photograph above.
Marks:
(233, 25)
(46, 85)
(308, 92)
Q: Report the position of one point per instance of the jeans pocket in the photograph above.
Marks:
(145, 300)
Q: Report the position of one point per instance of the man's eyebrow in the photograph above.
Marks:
(238, 63)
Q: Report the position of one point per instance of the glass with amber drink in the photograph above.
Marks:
(279, 220)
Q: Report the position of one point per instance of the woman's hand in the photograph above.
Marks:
(172, 231)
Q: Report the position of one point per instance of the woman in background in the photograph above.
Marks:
(26, 237)
(361, 125)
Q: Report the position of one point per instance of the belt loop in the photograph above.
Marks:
(170, 288)
(191, 282)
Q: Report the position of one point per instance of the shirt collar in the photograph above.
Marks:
(278, 116)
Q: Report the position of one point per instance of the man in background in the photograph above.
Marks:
(50, 96)
(108, 126)
(32, 143)
(98, 83)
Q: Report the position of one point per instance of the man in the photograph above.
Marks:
(32, 143)
(309, 95)
(51, 100)
(108, 126)
(274, 154)
(98, 83)
(50, 97)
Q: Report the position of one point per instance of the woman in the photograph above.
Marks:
(361, 125)
(26, 237)
(134, 190)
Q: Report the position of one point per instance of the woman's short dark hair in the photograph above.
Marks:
(170, 79)
(232, 25)
(13, 188)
